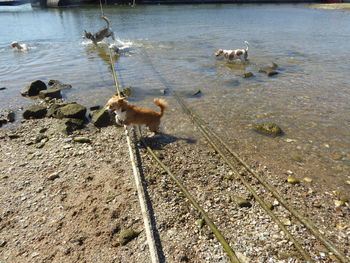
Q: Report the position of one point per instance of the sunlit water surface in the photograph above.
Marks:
(173, 47)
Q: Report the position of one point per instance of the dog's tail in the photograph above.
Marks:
(247, 44)
(106, 19)
(162, 104)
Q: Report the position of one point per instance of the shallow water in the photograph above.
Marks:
(173, 47)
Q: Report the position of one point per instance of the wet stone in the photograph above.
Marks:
(50, 93)
(269, 128)
(72, 110)
(33, 88)
(35, 112)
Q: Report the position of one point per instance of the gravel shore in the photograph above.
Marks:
(64, 199)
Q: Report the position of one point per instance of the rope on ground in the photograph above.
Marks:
(138, 182)
(262, 203)
(230, 253)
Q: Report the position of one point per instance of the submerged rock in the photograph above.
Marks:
(2, 88)
(33, 88)
(268, 70)
(248, 75)
(269, 128)
(35, 112)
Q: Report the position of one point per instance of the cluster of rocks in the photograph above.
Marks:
(73, 115)
(269, 69)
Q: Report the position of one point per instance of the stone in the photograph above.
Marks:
(53, 176)
(33, 88)
(82, 140)
(241, 202)
(190, 93)
(126, 235)
(68, 125)
(248, 75)
(52, 111)
(72, 110)
(292, 180)
(101, 118)
(35, 112)
(2, 88)
(50, 93)
(308, 179)
(59, 86)
(10, 116)
(269, 128)
(272, 65)
(268, 70)
(339, 203)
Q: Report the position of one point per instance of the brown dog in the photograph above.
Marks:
(127, 113)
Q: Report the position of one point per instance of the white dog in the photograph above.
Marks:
(19, 47)
(233, 54)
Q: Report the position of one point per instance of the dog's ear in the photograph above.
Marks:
(218, 52)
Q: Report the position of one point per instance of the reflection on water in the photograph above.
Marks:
(173, 47)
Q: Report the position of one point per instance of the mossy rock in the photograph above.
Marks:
(269, 128)
(35, 112)
(126, 235)
(72, 110)
(101, 118)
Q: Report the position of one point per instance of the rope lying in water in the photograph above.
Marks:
(207, 133)
(246, 184)
(155, 257)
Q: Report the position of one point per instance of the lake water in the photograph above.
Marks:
(173, 47)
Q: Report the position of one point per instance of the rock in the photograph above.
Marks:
(68, 125)
(339, 203)
(126, 235)
(297, 158)
(35, 112)
(101, 118)
(248, 75)
(53, 176)
(13, 136)
(95, 107)
(50, 93)
(269, 128)
(2, 88)
(72, 110)
(52, 111)
(190, 93)
(52, 82)
(33, 88)
(10, 116)
(82, 140)
(292, 180)
(308, 179)
(241, 202)
(268, 70)
(272, 65)
(59, 86)
(2, 243)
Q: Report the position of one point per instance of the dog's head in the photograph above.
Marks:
(15, 44)
(219, 52)
(87, 35)
(116, 103)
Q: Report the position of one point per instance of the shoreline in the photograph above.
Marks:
(77, 197)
